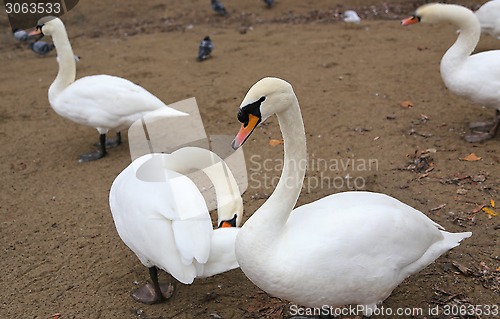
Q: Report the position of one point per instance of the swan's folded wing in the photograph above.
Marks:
(192, 239)
(94, 94)
(192, 225)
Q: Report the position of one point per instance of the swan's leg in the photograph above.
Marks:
(112, 143)
(100, 153)
(491, 131)
(154, 292)
(115, 142)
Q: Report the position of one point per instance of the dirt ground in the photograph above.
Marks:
(61, 252)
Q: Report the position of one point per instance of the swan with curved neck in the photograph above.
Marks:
(476, 76)
(346, 248)
(101, 101)
(162, 217)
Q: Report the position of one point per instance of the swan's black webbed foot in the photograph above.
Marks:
(478, 137)
(481, 126)
(484, 131)
(154, 292)
(87, 157)
(147, 294)
(97, 154)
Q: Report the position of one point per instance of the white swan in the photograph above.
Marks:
(162, 217)
(347, 248)
(101, 101)
(489, 18)
(477, 76)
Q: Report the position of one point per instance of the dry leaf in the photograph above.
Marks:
(492, 203)
(477, 209)
(275, 142)
(472, 157)
(406, 104)
(463, 269)
(437, 208)
(490, 211)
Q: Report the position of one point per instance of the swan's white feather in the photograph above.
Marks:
(166, 223)
(346, 248)
(147, 219)
(489, 18)
(101, 101)
(478, 78)
(106, 102)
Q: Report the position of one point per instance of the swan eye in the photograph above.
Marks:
(252, 108)
(243, 117)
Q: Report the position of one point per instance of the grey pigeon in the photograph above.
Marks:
(218, 7)
(269, 3)
(20, 35)
(41, 47)
(206, 47)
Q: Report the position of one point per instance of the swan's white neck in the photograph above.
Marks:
(67, 68)
(267, 223)
(470, 31)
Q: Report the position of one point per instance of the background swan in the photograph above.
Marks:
(474, 76)
(162, 217)
(101, 101)
(489, 18)
(346, 248)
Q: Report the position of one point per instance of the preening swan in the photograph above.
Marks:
(101, 101)
(162, 217)
(346, 248)
(489, 18)
(476, 76)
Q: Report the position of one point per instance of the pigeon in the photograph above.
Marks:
(41, 48)
(20, 35)
(350, 16)
(218, 7)
(269, 3)
(206, 47)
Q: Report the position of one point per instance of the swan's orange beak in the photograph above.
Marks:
(37, 31)
(225, 224)
(410, 20)
(245, 131)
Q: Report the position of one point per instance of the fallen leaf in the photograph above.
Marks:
(477, 209)
(463, 269)
(492, 203)
(437, 208)
(275, 142)
(472, 157)
(406, 104)
(490, 211)
(56, 316)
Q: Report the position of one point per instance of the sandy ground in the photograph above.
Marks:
(61, 253)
